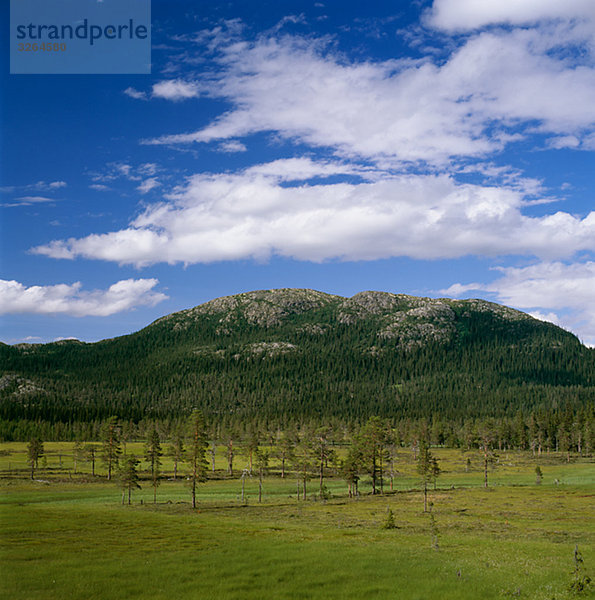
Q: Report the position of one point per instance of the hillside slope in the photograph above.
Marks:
(294, 353)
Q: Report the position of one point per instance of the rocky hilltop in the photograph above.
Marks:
(408, 321)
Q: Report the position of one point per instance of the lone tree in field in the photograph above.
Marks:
(110, 445)
(153, 454)
(197, 450)
(35, 451)
(129, 476)
(427, 467)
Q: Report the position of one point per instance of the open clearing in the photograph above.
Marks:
(66, 535)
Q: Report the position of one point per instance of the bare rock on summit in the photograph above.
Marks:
(266, 308)
(433, 321)
(366, 304)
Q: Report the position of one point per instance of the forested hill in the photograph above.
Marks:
(290, 354)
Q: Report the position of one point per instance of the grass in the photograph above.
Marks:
(67, 536)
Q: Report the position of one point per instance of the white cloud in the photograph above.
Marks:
(232, 146)
(256, 214)
(175, 90)
(123, 170)
(73, 301)
(300, 169)
(39, 186)
(136, 94)
(29, 200)
(473, 14)
(148, 184)
(564, 141)
(403, 111)
(554, 291)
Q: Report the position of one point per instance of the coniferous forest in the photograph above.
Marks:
(284, 358)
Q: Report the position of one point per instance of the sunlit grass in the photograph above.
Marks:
(67, 536)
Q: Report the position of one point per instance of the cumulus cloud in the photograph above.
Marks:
(494, 89)
(554, 291)
(271, 210)
(74, 301)
(175, 90)
(471, 14)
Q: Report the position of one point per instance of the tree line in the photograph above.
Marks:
(307, 453)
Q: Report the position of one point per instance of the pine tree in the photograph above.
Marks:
(110, 445)
(262, 463)
(153, 451)
(177, 451)
(322, 453)
(153, 454)
(197, 448)
(427, 467)
(90, 452)
(351, 469)
(371, 442)
(35, 451)
(129, 478)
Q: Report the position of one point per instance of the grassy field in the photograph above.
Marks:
(66, 535)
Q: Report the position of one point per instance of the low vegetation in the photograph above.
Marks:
(66, 533)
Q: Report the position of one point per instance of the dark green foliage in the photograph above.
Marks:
(389, 523)
(372, 442)
(153, 454)
(129, 479)
(351, 469)
(197, 449)
(110, 445)
(329, 361)
(153, 451)
(581, 582)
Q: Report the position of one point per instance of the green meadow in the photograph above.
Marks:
(66, 535)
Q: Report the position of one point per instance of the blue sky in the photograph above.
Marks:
(437, 148)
